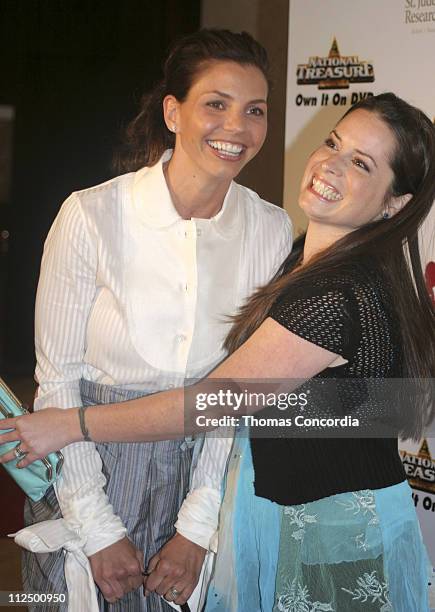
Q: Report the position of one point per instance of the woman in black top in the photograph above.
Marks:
(320, 523)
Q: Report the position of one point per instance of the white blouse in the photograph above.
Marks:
(132, 295)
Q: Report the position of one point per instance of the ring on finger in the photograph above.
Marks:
(174, 593)
(18, 451)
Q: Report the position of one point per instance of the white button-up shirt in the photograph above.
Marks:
(132, 295)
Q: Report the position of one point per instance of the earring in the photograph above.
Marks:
(385, 215)
(174, 128)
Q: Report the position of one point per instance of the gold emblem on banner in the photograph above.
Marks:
(420, 468)
(334, 71)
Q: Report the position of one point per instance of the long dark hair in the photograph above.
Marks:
(393, 242)
(147, 136)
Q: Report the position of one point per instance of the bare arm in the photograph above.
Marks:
(272, 352)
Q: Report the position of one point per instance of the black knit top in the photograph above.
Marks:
(349, 313)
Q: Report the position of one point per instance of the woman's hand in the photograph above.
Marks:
(174, 571)
(40, 433)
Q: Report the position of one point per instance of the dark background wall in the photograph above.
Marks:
(74, 71)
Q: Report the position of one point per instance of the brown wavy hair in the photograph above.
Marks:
(413, 166)
(147, 137)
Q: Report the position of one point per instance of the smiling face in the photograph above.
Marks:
(347, 180)
(222, 123)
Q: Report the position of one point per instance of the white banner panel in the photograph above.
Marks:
(340, 51)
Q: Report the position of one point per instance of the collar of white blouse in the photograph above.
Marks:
(154, 207)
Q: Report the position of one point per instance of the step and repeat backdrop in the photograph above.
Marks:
(339, 53)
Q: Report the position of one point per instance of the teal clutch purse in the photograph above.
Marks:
(37, 477)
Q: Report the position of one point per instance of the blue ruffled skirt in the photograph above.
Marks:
(358, 551)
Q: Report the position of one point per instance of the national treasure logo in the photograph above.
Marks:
(420, 468)
(335, 71)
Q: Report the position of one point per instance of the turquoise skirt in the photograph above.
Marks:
(358, 551)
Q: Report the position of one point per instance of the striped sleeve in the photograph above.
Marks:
(65, 295)
(199, 514)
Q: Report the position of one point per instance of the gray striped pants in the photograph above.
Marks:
(146, 484)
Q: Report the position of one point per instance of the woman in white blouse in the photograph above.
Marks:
(137, 276)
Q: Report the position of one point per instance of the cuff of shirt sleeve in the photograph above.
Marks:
(198, 517)
(83, 502)
(207, 541)
(97, 541)
(93, 519)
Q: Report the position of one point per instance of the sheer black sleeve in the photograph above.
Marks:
(325, 313)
